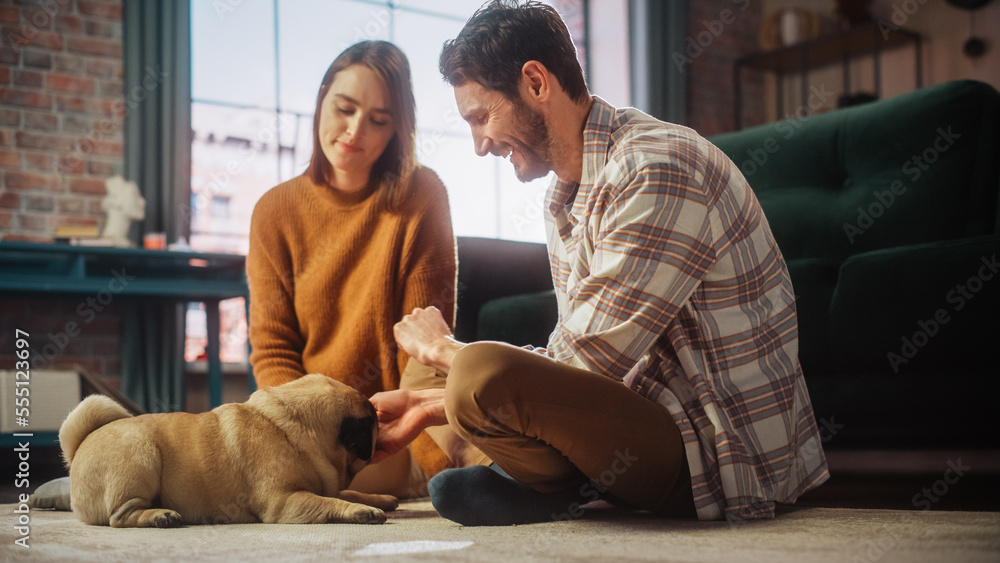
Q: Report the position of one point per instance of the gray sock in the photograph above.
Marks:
(487, 496)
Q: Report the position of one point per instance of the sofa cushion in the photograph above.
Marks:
(813, 281)
(492, 268)
(520, 320)
(920, 309)
(916, 168)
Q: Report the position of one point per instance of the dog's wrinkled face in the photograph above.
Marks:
(318, 399)
(358, 425)
(358, 433)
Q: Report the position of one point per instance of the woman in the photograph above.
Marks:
(339, 254)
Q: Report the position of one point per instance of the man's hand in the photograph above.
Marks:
(402, 415)
(425, 336)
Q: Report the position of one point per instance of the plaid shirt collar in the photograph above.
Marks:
(564, 201)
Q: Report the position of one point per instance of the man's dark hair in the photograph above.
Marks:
(502, 36)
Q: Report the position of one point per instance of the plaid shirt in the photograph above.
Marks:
(668, 279)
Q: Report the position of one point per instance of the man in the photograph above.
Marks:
(671, 382)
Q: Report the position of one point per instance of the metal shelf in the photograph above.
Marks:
(870, 38)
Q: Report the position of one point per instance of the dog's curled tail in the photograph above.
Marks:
(92, 413)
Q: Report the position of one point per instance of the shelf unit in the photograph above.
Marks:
(869, 38)
(49, 270)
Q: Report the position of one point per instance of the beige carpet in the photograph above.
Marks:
(416, 532)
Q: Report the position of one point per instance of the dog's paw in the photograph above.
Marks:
(385, 502)
(367, 515)
(166, 519)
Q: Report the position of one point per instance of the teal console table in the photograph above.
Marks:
(183, 276)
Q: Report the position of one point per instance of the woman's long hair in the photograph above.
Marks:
(393, 170)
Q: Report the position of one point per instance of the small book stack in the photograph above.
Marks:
(81, 235)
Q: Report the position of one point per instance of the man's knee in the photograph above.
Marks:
(479, 367)
(478, 382)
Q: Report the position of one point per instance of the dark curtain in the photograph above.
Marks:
(152, 355)
(157, 82)
(659, 84)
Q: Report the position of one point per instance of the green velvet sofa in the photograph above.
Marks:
(889, 219)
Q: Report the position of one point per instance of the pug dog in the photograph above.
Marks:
(284, 456)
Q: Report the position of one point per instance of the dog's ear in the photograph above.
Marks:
(357, 434)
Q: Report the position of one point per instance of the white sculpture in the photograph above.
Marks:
(123, 205)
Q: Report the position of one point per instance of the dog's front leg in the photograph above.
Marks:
(385, 502)
(303, 507)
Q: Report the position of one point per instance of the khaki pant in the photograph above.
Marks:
(553, 426)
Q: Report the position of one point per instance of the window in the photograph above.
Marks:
(253, 104)
(256, 68)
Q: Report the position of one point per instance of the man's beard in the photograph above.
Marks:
(536, 149)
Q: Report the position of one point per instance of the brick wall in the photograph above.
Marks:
(61, 116)
(719, 33)
(64, 332)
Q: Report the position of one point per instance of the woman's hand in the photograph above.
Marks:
(424, 335)
(402, 415)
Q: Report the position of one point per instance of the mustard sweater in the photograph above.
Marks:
(330, 275)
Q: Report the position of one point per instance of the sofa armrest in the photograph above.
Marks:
(919, 309)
